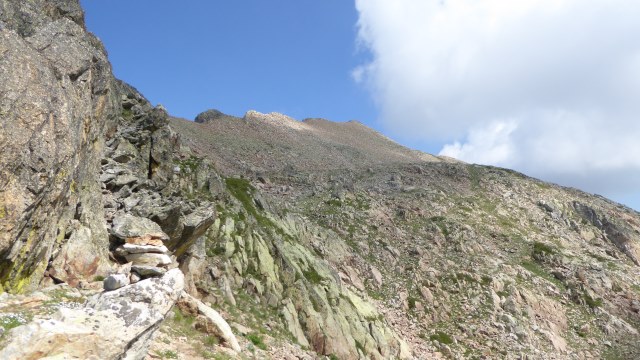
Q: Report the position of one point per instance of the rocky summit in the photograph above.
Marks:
(126, 233)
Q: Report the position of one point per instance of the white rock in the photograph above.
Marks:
(117, 324)
(150, 259)
(377, 276)
(138, 249)
(224, 329)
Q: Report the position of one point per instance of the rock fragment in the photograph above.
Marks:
(115, 281)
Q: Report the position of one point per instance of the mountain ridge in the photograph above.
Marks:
(313, 140)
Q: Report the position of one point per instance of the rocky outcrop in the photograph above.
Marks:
(112, 325)
(57, 100)
(209, 115)
(211, 322)
(624, 236)
(265, 256)
(148, 174)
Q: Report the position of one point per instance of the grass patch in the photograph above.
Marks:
(474, 176)
(242, 190)
(98, 278)
(334, 202)
(537, 270)
(542, 185)
(211, 340)
(465, 277)
(593, 303)
(10, 321)
(167, 354)
(221, 356)
(256, 339)
(183, 324)
(127, 114)
(486, 280)
(543, 249)
(312, 276)
(442, 338)
(412, 302)
(439, 221)
(192, 163)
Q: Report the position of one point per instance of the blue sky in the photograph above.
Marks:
(463, 78)
(293, 56)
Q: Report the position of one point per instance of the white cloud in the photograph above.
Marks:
(489, 145)
(549, 87)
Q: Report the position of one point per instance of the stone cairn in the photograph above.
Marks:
(139, 244)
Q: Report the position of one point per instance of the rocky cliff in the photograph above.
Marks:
(312, 239)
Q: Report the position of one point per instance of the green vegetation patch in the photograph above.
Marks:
(127, 114)
(543, 249)
(537, 270)
(442, 338)
(334, 202)
(13, 320)
(440, 222)
(210, 340)
(191, 164)
(312, 276)
(256, 339)
(167, 354)
(594, 303)
(412, 302)
(242, 190)
(474, 176)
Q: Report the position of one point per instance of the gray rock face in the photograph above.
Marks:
(56, 101)
(112, 325)
(621, 236)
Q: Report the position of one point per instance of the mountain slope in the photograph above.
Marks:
(313, 239)
(275, 142)
(463, 260)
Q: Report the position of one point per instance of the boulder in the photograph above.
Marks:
(377, 276)
(194, 226)
(212, 322)
(128, 226)
(112, 325)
